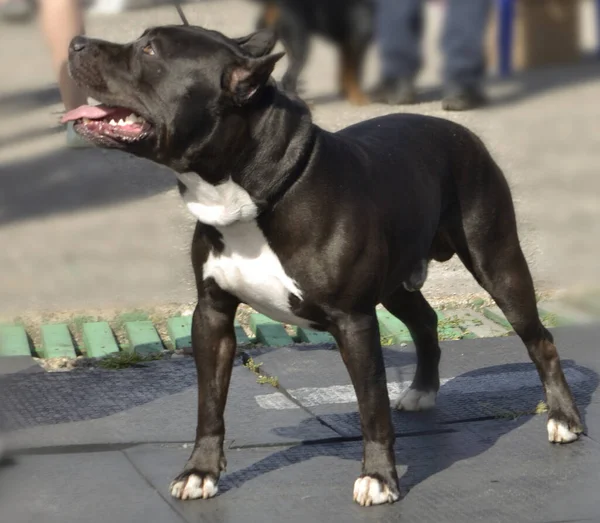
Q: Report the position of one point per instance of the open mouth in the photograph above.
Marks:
(118, 124)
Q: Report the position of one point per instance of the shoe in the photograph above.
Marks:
(395, 91)
(74, 140)
(464, 99)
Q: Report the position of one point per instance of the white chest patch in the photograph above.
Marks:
(247, 267)
(217, 205)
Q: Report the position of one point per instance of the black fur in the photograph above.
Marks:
(351, 215)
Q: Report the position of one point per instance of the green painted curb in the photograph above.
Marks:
(497, 317)
(313, 336)
(392, 327)
(240, 334)
(180, 332)
(143, 338)
(13, 341)
(448, 332)
(558, 320)
(269, 332)
(57, 341)
(99, 340)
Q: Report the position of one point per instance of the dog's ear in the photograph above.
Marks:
(244, 79)
(258, 44)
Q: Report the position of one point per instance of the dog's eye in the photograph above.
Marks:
(149, 50)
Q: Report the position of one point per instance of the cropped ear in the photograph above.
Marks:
(244, 79)
(258, 44)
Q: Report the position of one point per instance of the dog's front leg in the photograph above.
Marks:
(214, 344)
(358, 338)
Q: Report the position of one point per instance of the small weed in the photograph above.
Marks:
(386, 341)
(254, 367)
(477, 322)
(123, 360)
(269, 380)
(263, 379)
(512, 415)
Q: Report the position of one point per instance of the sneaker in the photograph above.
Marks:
(395, 91)
(74, 140)
(463, 99)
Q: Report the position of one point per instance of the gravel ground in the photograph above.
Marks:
(94, 229)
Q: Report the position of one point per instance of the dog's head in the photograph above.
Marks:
(170, 91)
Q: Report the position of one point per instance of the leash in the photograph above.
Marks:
(180, 12)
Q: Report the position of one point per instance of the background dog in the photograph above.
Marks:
(348, 24)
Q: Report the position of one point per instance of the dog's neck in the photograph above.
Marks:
(269, 153)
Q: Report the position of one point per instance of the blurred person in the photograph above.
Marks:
(61, 21)
(399, 32)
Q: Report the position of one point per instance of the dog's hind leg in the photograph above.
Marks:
(487, 243)
(357, 335)
(412, 309)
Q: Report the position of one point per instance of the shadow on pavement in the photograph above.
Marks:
(68, 180)
(448, 446)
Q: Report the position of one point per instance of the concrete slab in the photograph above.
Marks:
(18, 364)
(481, 378)
(155, 402)
(485, 471)
(95, 488)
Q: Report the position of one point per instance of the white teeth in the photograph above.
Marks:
(134, 118)
(121, 122)
(112, 122)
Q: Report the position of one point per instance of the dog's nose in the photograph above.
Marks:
(78, 43)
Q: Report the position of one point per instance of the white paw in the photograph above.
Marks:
(370, 491)
(558, 432)
(194, 487)
(413, 400)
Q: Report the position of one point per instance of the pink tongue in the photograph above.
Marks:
(93, 112)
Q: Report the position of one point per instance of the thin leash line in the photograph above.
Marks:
(180, 12)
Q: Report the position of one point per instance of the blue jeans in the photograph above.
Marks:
(400, 28)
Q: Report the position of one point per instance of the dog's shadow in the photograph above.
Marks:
(430, 442)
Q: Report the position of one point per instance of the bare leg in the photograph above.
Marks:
(62, 20)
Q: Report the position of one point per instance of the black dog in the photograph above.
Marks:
(311, 227)
(346, 23)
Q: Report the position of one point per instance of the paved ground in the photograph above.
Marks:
(102, 446)
(93, 229)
